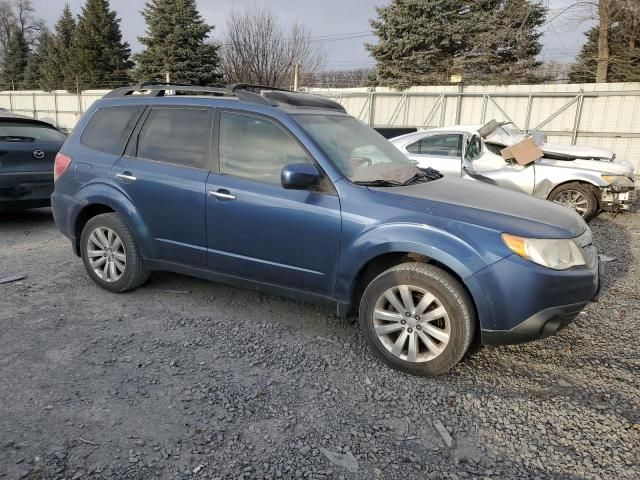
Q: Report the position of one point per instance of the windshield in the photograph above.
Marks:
(474, 148)
(516, 134)
(359, 152)
(29, 132)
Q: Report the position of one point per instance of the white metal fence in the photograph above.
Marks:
(606, 115)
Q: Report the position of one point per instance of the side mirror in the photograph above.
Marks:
(299, 176)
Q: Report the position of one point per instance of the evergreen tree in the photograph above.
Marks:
(99, 58)
(487, 41)
(506, 42)
(418, 41)
(624, 48)
(62, 48)
(176, 43)
(15, 61)
(32, 72)
(49, 77)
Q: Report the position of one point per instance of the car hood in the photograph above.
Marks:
(487, 206)
(557, 150)
(577, 151)
(612, 168)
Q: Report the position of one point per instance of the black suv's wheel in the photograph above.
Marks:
(578, 197)
(110, 254)
(417, 318)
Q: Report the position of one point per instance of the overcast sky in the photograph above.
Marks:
(562, 40)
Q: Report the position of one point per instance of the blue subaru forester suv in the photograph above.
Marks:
(285, 192)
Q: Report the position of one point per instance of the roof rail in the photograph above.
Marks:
(246, 86)
(271, 96)
(154, 88)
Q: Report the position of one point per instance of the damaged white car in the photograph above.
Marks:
(583, 178)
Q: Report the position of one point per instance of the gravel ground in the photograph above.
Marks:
(184, 378)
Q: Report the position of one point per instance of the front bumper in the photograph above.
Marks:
(520, 301)
(618, 199)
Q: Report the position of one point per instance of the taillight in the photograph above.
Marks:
(62, 163)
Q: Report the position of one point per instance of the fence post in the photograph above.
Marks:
(576, 122)
(443, 110)
(33, 105)
(459, 106)
(528, 118)
(55, 107)
(11, 101)
(483, 114)
(372, 106)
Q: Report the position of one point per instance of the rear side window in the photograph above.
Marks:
(440, 145)
(176, 135)
(110, 127)
(11, 131)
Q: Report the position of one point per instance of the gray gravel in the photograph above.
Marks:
(184, 378)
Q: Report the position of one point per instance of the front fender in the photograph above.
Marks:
(453, 252)
(548, 178)
(98, 193)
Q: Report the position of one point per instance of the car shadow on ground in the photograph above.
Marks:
(25, 218)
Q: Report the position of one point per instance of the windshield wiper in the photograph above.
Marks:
(425, 174)
(379, 183)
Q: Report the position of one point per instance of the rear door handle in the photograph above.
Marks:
(126, 177)
(221, 194)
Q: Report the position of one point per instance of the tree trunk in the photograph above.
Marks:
(604, 10)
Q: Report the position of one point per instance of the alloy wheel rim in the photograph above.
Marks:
(573, 199)
(106, 254)
(411, 323)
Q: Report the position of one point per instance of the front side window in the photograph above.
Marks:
(109, 128)
(256, 148)
(180, 136)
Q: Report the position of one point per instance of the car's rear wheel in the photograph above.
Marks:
(110, 254)
(578, 197)
(417, 318)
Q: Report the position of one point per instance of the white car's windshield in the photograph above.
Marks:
(359, 152)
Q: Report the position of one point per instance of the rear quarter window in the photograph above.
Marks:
(110, 128)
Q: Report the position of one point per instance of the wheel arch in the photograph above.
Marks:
(380, 263)
(104, 199)
(555, 177)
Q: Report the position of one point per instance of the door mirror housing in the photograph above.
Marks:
(300, 176)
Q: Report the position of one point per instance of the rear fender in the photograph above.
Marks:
(105, 194)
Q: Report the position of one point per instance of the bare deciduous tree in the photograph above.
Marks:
(20, 15)
(257, 49)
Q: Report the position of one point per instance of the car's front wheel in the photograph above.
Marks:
(110, 254)
(417, 318)
(578, 197)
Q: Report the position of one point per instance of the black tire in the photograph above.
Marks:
(448, 292)
(592, 206)
(135, 273)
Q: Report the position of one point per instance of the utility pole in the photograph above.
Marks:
(604, 11)
(296, 74)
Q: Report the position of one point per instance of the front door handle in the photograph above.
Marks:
(221, 194)
(126, 177)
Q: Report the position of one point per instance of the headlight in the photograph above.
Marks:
(558, 254)
(619, 180)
